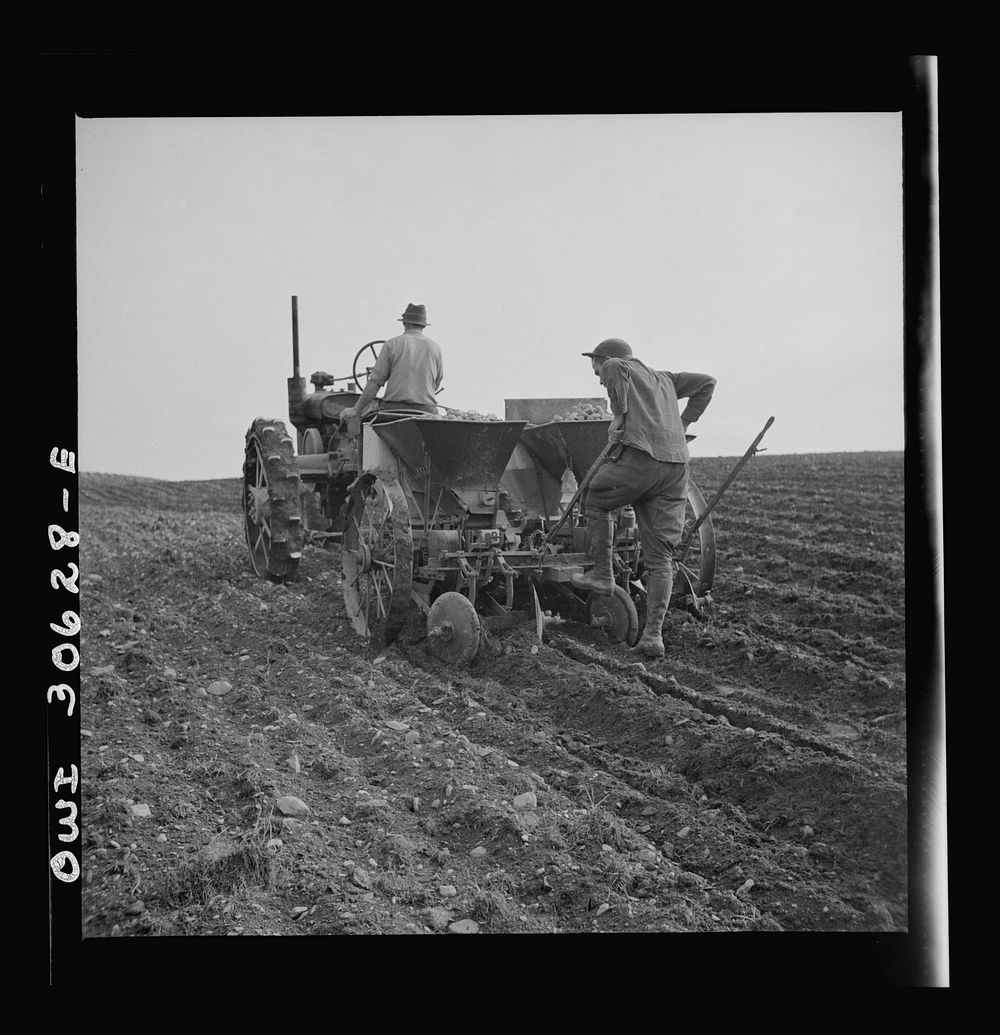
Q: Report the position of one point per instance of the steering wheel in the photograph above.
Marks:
(354, 369)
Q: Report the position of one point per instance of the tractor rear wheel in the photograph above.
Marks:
(272, 522)
(377, 559)
(695, 556)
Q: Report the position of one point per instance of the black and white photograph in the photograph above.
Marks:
(501, 524)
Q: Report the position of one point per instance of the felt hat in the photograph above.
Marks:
(415, 314)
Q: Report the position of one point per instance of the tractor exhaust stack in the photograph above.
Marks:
(296, 383)
(295, 335)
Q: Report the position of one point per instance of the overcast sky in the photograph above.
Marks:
(764, 249)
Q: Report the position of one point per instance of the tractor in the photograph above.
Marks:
(475, 522)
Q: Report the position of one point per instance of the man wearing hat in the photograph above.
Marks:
(410, 368)
(649, 470)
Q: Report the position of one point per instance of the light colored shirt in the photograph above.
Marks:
(648, 401)
(411, 369)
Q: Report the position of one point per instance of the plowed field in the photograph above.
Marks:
(754, 780)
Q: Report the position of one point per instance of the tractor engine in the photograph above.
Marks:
(316, 416)
(327, 461)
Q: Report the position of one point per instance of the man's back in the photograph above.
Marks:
(411, 369)
(649, 398)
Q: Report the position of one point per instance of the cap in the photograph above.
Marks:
(611, 348)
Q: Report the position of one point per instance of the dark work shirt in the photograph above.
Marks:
(648, 401)
(411, 369)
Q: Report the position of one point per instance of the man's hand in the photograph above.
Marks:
(617, 429)
(350, 423)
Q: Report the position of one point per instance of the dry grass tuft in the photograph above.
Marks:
(224, 868)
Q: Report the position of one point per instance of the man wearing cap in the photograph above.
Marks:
(648, 471)
(409, 366)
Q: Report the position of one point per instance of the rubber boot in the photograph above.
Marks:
(658, 588)
(599, 579)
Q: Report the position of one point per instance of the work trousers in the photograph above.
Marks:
(656, 489)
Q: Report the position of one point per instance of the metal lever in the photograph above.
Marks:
(683, 548)
(579, 492)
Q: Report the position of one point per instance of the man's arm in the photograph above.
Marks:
(377, 377)
(697, 389)
(367, 397)
(615, 377)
